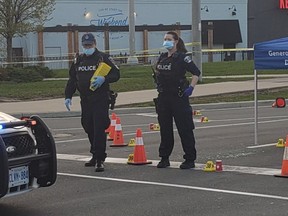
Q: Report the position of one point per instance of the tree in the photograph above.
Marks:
(19, 17)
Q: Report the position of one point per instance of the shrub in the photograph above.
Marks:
(26, 74)
(21, 75)
(4, 76)
(45, 72)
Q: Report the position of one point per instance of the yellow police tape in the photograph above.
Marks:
(139, 54)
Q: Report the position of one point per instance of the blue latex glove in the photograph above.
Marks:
(68, 103)
(188, 91)
(97, 82)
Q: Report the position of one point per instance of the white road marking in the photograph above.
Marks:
(74, 140)
(123, 126)
(241, 119)
(261, 146)
(197, 128)
(230, 108)
(239, 124)
(178, 186)
(226, 168)
(67, 129)
(154, 115)
(203, 127)
(134, 125)
(175, 130)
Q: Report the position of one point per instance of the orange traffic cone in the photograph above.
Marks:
(139, 151)
(118, 140)
(284, 170)
(112, 127)
(107, 131)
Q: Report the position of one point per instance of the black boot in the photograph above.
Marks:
(91, 162)
(99, 166)
(187, 164)
(163, 163)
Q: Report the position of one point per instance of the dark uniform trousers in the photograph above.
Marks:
(95, 120)
(169, 106)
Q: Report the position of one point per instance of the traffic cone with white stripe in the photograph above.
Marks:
(107, 131)
(139, 157)
(118, 140)
(112, 127)
(284, 170)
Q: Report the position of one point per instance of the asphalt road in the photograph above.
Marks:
(246, 186)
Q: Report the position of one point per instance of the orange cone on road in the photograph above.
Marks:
(284, 170)
(107, 131)
(112, 127)
(118, 140)
(139, 151)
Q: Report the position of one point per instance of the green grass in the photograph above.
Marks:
(229, 68)
(32, 91)
(135, 78)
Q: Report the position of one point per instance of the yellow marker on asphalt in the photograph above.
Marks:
(130, 158)
(280, 143)
(132, 142)
(210, 166)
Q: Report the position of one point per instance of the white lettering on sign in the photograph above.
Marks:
(283, 4)
(286, 62)
(277, 53)
(111, 16)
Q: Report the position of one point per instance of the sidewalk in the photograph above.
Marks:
(57, 105)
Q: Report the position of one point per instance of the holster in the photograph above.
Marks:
(184, 84)
(112, 99)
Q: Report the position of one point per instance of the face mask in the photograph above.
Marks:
(168, 44)
(89, 51)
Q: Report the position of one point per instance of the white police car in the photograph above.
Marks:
(27, 155)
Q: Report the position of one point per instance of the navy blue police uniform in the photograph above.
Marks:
(171, 83)
(94, 104)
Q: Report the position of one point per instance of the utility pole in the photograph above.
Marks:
(210, 41)
(196, 35)
(132, 59)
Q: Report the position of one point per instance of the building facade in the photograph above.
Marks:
(267, 20)
(235, 24)
(152, 19)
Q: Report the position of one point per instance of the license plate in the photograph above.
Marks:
(18, 176)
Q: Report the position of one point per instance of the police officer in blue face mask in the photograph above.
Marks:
(173, 99)
(95, 100)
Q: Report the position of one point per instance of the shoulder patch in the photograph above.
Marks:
(77, 58)
(188, 59)
(111, 59)
(113, 62)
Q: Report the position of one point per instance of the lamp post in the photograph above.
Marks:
(132, 59)
(196, 35)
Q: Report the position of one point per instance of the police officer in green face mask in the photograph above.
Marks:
(94, 96)
(173, 99)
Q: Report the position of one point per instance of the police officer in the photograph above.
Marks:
(94, 103)
(173, 100)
